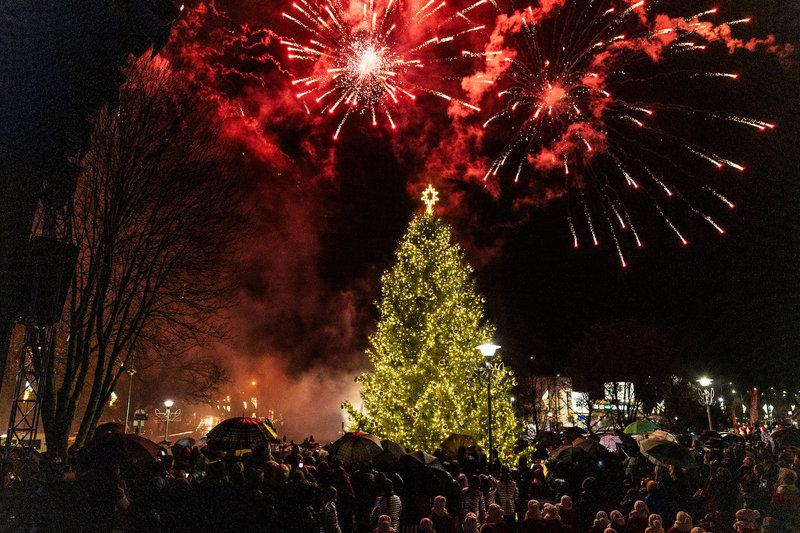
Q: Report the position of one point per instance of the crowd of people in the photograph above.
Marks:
(742, 488)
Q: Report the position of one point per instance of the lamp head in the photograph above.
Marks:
(705, 382)
(168, 403)
(488, 349)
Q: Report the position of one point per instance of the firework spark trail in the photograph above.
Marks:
(364, 57)
(559, 67)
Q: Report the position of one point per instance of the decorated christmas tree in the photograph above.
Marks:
(428, 378)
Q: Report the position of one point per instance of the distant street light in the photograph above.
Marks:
(708, 397)
(131, 371)
(488, 350)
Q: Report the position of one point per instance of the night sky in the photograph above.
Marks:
(326, 216)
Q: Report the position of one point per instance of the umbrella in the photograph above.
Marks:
(240, 433)
(568, 454)
(591, 447)
(356, 447)
(610, 442)
(573, 432)
(667, 452)
(423, 471)
(186, 442)
(786, 437)
(122, 450)
(639, 427)
(455, 441)
(389, 456)
(547, 439)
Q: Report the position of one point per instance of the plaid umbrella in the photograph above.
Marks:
(356, 447)
(240, 434)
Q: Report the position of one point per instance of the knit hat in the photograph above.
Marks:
(683, 519)
(746, 519)
(533, 512)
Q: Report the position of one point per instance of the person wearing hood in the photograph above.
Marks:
(618, 522)
(568, 513)
(601, 522)
(440, 518)
(654, 524)
(683, 523)
(534, 522)
(786, 500)
(746, 521)
(495, 521)
(638, 518)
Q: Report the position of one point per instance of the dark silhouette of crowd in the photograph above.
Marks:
(742, 488)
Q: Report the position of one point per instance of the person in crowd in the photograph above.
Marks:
(441, 520)
(495, 521)
(471, 523)
(601, 522)
(654, 524)
(786, 500)
(746, 521)
(618, 523)
(326, 516)
(533, 522)
(384, 525)
(472, 500)
(683, 523)
(552, 519)
(637, 519)
(507, 493)
(426, 526)
(388, 504)
(568, 514)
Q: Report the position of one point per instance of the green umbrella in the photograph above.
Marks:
(666, 452)
(639, 427)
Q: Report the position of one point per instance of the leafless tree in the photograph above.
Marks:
(155, 219)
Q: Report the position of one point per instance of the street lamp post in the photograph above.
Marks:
(168, 404)
(488, 350)
(131, 371)
(168, 416)
(708, 397)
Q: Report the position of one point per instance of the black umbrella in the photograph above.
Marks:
(786, 437)
(547, 439)
(126, 451)
(389, 456)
